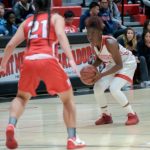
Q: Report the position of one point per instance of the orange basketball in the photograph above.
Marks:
(87, 74)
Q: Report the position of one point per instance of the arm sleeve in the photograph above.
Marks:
(116, 13)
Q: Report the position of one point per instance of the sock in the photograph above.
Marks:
(105, 110)
(13, 121)
(71, 132)
(129, 109)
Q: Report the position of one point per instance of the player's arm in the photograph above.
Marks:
(97, 62)
(12, 44)
(113, 48)
(59, 25)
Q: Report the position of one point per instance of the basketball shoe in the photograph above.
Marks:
(11, 143)
(132, 119)
(75, 143)
(105, 119)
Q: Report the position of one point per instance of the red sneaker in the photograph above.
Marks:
(11, 143)
(105, 119)
(132, 119)
(74, 143)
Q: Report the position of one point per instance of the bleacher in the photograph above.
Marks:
(132, 15)
(132, 12)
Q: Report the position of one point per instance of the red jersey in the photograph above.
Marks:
(39, 37)
(70, 29)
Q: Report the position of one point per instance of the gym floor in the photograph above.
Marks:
(42, 128)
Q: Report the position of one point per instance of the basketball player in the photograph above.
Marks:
(119, 69)
(42, 31)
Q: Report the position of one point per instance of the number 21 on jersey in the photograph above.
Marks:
(37, 25)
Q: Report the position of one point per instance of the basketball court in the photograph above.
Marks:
(42, 127)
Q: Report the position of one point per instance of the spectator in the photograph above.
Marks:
(69, 27)
(13, 2)
(146, 25)
(143, 49)
(10, 26)
(2, 12)
(112, 8)
(93, 11)
(112, 22)
(129, 41)
(22, 9)
(2, 20)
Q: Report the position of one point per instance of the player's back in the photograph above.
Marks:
(40, 42)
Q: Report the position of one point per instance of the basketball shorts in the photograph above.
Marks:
(49, 71)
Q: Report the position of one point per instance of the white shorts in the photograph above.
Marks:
(128, 70)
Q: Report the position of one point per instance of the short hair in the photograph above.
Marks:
(95, 22)
(93, 4)
(69, 14)
(7, 14)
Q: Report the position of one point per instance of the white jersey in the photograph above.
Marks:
(128, 59)
(106, 56)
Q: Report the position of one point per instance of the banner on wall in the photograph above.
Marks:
(81, 53)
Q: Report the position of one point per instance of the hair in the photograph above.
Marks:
(41, 6)
(69, 14)
(146, 23)
(8, 13)
(131, 43)
(93, 4)
(143, 39)
(144, 33)
(95, 22)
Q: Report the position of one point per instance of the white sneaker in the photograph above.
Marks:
(74, 143)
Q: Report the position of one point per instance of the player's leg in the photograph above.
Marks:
(115, 89)
(69, 114)
(28, 82)
(16, 109)
(99, 89)
(57, 81)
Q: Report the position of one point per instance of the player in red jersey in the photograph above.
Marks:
(42, 31)
(120, 65)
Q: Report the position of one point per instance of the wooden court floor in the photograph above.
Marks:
(42, 128)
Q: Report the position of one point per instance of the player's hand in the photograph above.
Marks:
(97, 77)
(74, 67)
(2, 70)
(137, 60)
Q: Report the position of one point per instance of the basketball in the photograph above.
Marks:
(87, 74)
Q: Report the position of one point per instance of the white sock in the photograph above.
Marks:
(105, 110)
(129, 109)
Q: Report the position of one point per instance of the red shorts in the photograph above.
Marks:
(47, 70)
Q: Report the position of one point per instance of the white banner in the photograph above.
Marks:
(81, 53)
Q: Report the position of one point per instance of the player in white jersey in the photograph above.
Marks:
(119, 70)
